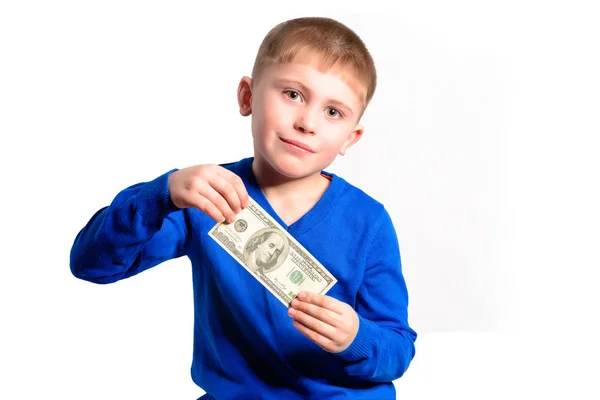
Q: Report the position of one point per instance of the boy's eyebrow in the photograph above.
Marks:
(307, 89)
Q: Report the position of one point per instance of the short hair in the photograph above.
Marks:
(337, 45)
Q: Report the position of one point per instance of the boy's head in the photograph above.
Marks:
(311, 83)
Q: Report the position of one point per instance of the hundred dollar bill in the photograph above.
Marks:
(271, 255)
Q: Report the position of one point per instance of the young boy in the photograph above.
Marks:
(311, 82)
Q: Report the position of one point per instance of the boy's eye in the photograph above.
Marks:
(292, 94)
(332, 112)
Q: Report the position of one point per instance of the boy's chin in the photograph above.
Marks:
(295, 169)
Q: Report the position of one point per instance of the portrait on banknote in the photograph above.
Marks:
(266, 250)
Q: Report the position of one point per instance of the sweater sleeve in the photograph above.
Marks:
(140, 229)
(384, 345)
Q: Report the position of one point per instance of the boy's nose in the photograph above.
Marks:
(305, 124)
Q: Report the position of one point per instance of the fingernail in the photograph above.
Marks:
(302, 295)
(295, 303)
(291, 312)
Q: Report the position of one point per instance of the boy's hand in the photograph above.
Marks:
(211, 188)
(328, 322)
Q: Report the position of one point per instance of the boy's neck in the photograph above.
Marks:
(271, 181)
(290, 198)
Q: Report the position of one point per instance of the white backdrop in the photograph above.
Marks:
(479, 141)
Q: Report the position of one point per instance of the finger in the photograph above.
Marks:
(237, 184)
(207, 191)
(323, 301)
(324, 342)
(313, 324)
(320, 313)
(227, 191)
(206, 206)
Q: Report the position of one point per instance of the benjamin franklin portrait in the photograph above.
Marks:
(266, 250)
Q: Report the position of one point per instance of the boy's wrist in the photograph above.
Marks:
(154, 199)
(364, 342)
(170, 206)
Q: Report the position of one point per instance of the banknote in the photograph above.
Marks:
(271, 254)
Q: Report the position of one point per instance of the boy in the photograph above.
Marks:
(311, 82)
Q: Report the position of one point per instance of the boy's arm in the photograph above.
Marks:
(384, 345)
(140, 229)
(374, 338)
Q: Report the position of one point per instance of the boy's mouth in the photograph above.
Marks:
(298, 144)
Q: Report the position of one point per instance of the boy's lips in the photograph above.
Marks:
(298, 144)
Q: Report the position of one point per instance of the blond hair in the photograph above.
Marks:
(335, 43)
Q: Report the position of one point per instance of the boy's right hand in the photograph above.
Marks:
(210, 188)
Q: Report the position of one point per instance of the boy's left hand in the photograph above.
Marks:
(328, 322)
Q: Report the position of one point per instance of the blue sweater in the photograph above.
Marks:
(245, 346)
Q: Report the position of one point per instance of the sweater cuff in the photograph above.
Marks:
(166, 196)
(363, 344)
(155, 195)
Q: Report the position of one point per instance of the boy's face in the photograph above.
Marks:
(302, 117)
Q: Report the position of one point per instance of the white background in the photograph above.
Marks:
(480, 140)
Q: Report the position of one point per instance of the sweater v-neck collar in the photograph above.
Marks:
(311, 217)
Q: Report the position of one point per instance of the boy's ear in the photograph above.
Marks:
(244, 96)
(354, 137)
